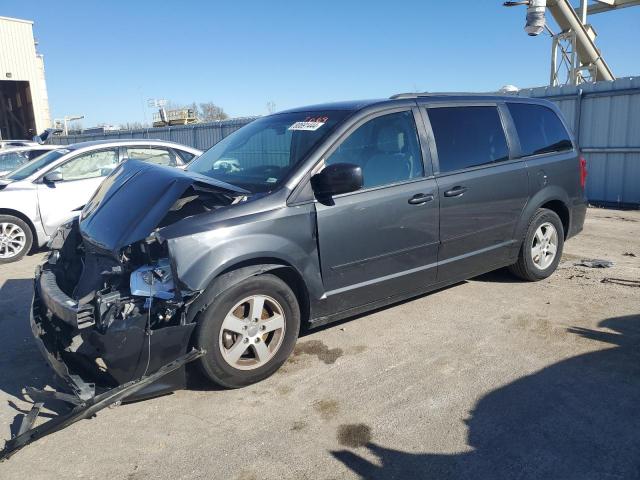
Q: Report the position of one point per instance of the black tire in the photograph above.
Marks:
(28, 238)
(207, 334)
(525, 267)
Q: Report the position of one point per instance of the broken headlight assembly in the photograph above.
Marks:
(153, 280)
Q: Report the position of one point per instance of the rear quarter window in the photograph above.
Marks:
(539, 129)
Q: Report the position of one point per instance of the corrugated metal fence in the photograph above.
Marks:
(199, 135)
(605, 117)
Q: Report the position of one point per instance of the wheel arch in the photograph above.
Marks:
(554, 198)
(236, 273)
(562, 210)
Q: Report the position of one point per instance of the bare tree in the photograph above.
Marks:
(210, 112)
(204, 111)
(133, 125)
(75, 127)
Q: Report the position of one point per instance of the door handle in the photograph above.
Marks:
(420, 199)
(455, 192)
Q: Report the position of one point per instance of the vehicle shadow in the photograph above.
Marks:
(576, 419)
(501, 275)
(21, 363)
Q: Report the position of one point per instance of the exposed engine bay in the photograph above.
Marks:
(108, 305)
(109, 313)
(139, 278)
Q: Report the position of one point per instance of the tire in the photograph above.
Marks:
(533, 267)
(227, 327)
(16, 238)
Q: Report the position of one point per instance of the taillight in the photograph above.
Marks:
(583, 172)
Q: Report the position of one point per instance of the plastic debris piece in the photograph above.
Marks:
(595, 263)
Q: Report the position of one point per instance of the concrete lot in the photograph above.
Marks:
(493, 378)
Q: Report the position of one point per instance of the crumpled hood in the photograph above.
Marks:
(134, 199)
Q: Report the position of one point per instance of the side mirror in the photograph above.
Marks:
(53, 177)
(336, 179)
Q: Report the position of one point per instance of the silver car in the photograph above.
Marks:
(14, 157)
(41, 195)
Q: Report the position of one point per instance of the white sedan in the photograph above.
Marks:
(42, 194)
(14, 157)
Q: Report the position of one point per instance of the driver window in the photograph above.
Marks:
(386, 148)
(90, 165)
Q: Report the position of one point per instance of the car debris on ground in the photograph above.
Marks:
(595, 263)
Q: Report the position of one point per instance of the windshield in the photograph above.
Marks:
(12, 160)
(259, 156)
(39, 163)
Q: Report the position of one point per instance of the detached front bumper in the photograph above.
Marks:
(90, 360)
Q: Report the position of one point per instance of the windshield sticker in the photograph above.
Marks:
(310, 124)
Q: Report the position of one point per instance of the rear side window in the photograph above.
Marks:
(539, 129)
(185, 156)
(159, 156)
(468, 136)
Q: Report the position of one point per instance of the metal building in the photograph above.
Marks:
(605, 118)
(24, 104)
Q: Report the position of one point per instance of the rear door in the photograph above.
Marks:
(482, 187)
(81, 176)
(382, 240)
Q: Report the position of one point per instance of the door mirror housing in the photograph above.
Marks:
(53, 177)
(336, 179)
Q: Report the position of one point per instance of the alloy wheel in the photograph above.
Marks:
(12, 240)
(252, 332)
(544, 246)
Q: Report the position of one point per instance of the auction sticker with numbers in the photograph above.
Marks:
(310, 124)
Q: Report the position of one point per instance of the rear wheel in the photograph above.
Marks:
(542, 247)
(15, 238)
(248, 331)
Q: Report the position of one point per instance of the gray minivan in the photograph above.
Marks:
(298, 219)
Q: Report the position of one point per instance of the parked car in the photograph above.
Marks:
(14, 157)
(302, 218)
(39, 196)
(17, 143)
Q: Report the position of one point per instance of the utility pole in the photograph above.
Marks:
(574, 56)
(70, 119)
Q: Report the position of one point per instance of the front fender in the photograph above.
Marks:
(285, 239)
(222, 283)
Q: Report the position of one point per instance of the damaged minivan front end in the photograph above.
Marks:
(108, 307)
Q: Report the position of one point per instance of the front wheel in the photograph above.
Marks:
(542, 247)
(248, 331)
(15, 239)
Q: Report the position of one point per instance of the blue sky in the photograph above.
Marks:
(104, 59)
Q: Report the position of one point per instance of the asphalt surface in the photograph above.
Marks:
(492, 378)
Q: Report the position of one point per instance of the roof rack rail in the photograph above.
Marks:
(443, 94)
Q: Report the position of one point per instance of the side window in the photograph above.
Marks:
(468, 136)
(89, 165)
(159, 156)
(539, 129)
(386, 148)
(185, 156)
